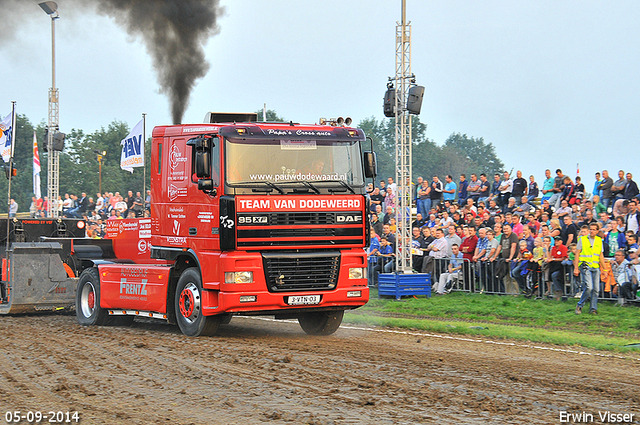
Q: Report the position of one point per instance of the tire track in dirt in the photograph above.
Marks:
(257, 371)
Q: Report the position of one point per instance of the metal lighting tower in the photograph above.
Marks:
(403, 144)
(53, 169)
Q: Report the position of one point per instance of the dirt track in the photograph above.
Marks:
(260, 371)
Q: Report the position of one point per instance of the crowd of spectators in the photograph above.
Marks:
(95, 211)
(495, 233)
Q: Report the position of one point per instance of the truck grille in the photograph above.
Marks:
(301, 271)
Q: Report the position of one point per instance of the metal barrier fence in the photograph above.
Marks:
(495, 277)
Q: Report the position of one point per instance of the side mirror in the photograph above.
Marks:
(206, 185)
(370, 165)
(203, 164)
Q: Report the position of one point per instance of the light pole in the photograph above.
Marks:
(101, 155)
(53, 183)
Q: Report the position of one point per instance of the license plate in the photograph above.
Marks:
(303, 299)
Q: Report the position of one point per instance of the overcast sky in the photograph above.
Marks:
(549, 83)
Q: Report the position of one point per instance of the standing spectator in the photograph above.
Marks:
(147, 201)
(533, 189)
(485, 188)
(516, 226)
(424, 201)
(468, 247)
(436, 191)
(99, 202)
(568, 192)
(376, 224)
(449, 191)
(417, 187)
(392, 186)
(579, 190)
(386, 233)
(558, 186)
(605, 187)
(473, 188)
(547, 185)
(631, 190)
(527, 237)
(390, 198)
(13, 208)
(596, 186)
(617, 190)
(509, 251)
(138, 204)
(632, 219)
(614, 240)
(495, 190)
(589, 256)
(556, 269)
(452, 238)
(375, 199)
(519, 187)
(506, 187)
(462, 189)
(379, 213)
(438, 249)
(33, 209)
(570, 231)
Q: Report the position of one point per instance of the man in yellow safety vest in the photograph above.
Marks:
(586, 264)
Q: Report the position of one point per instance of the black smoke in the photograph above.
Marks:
(174, 32)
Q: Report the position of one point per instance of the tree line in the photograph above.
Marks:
(79, 168)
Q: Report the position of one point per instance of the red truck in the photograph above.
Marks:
(247, 218)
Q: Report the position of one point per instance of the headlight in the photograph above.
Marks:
(356, 273)
(238, 277)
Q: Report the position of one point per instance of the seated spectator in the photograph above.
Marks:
(419, 221)
(385, 263)
(623, 273)
(564, 208)
(511, 206)
(388, 215)
(453, 271)
(524, 207)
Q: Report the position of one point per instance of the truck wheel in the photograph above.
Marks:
(88, 309)
(189, 309)
(321, 323)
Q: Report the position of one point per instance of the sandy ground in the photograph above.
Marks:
(259, 371)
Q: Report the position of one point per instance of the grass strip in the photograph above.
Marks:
(507, 317)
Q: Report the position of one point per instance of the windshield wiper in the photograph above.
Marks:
(311, 186)
(346, 186)
(251, 183)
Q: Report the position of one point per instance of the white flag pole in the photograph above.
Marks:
(144, 168)
(13, 134)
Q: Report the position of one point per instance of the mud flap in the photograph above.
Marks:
(38, 280)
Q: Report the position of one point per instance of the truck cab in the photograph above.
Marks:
(249, 218)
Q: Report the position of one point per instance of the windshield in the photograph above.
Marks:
(324, 163)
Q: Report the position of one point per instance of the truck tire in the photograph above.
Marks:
(188, 306)
(321, 323)
(88, 309)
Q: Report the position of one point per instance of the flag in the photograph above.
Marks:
(5, 137)
(132, 149)
(36, 168)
